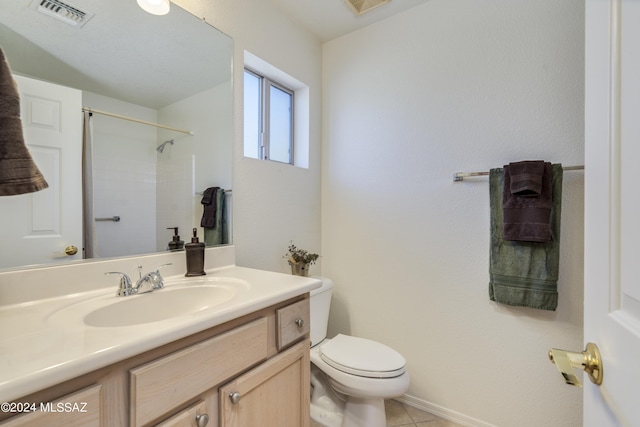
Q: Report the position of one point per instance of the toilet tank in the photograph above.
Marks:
(320, 303)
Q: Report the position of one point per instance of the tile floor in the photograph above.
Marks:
(401, 415)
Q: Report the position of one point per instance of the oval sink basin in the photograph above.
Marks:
(181, 298)
(158, 305)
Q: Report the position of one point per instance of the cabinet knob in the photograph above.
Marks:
(235, 397)
(202, 420)
(300, 323)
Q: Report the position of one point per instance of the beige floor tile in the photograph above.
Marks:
(396, 414)
(401, 415)
(417, 415)
(438, 423)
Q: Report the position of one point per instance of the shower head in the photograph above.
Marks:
(160, 148)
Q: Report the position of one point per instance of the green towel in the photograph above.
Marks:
(218, 234)
(524, 273)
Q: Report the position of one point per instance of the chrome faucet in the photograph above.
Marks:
(147, 283)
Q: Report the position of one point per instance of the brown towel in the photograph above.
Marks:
(18, 173)
(209, 202)
(527, 218)
(526, 178)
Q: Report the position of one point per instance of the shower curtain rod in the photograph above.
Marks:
(118, 116)
(460, 176)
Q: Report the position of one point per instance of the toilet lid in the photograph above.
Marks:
(362, 357)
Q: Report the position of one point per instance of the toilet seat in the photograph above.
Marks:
(362, 357)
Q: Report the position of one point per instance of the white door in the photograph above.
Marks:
(612, 209)
(37, 227)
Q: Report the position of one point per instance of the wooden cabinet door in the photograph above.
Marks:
(274, 394)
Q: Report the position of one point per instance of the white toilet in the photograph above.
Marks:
(350, 376)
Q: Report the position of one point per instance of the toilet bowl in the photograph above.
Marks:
(350, 376)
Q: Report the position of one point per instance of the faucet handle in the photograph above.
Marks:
(125, 288)
(156, 277)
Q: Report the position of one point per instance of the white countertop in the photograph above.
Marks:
(36, 352)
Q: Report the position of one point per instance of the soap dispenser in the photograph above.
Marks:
(195, 256)
(176, 244)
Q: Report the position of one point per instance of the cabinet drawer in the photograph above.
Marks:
(81, 409)
(188, 417)
(293, 323)
(170, 381)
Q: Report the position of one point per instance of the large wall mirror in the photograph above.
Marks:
(114, 60)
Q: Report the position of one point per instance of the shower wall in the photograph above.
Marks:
(183, 175)
(124, 177)
(149, 190)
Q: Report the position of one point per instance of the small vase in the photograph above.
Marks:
(300, 269)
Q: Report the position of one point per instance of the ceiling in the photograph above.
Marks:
(103, 54)
(329, 19)
(118, 52)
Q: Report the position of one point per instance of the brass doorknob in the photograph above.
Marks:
(71, 250)
(589, 360)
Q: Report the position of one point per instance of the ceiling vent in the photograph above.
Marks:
(63, 12)
(362, 6)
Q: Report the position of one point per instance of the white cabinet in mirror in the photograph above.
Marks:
(172, 70)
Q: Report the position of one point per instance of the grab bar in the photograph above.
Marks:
(115, 218)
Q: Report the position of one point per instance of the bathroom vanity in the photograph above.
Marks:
(241, 362)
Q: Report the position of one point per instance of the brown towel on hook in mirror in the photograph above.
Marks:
(210, 207)
(18, 172)
(527, 219)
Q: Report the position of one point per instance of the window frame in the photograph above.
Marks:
(264, 143)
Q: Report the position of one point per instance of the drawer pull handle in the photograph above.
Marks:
(300, 323)
(235, 397)
(202, 420)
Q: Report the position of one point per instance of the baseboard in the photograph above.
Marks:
(442, 412)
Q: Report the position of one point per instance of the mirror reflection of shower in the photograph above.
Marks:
(160, 148)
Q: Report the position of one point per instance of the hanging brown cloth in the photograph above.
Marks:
(18, 172)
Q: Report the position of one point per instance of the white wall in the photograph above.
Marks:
(450, 86)
(273, 203)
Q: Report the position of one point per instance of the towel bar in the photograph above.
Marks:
(460, 176)
(226, 193)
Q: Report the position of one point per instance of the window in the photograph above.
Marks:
(268, 119)
(282, 133)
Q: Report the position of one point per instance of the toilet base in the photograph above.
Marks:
(326, 406)
(324, 413)
(364, 413)
(331, 409)
(356, 413)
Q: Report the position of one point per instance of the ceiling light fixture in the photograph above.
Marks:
(155, 7)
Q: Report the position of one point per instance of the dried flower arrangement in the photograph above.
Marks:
(296, 255)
